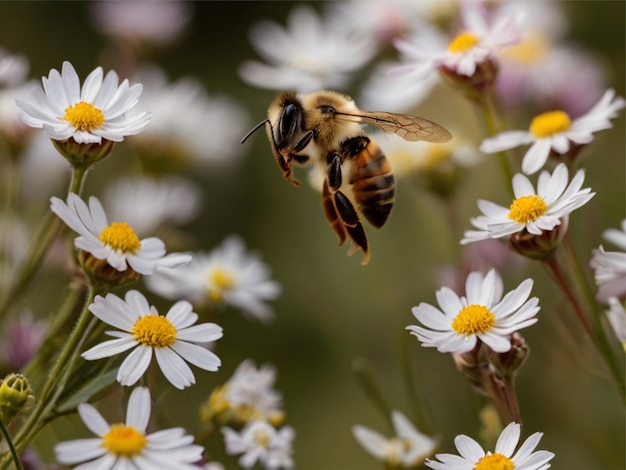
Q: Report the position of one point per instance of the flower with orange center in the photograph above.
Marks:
(171, 338)
(532, 212)
(86, 114)
(117, 243)
(504, 458)
(482, 314)
(126, 445)
(555, 131)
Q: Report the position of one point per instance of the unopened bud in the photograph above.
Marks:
(102, 274)
(539, 247)
(15, 396)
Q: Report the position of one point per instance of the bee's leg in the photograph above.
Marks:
(303, 142)
(352, 224)
(334, 171)
(331, 214)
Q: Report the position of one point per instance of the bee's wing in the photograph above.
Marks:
(408, 127)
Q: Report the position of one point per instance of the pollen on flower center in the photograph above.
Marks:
(121, 237)
(473, 319)
(124, 441)
(494, 462)
(155, 331)
(219, 280)
(550, 123)
(463, 42)
(526, 209)
(84, 116)
(262, 437)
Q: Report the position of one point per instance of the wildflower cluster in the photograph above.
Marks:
(134, 312)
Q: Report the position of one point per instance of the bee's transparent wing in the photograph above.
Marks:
(408, 127)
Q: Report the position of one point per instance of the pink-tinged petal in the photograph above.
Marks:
(197, 355)
(93, 419)
(134, 365)
(174, 368)
(138, 410)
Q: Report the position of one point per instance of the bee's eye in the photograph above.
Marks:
(325, 109)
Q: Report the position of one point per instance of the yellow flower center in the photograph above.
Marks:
(395, 450)
(220, 280)
(550, 123)
(527, 209)
(262, 437)
(494, 462)
(472, 320)
(532, 50)
(463, 42)
(155, 331)
(84, 116)
(121, 237)
(124, 441)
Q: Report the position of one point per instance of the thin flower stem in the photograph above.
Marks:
(416, 396)
(594, 331)
(56, 378)
(488, 112)
(370, 386)
(9, 441)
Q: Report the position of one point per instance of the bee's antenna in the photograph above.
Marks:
(254, 129)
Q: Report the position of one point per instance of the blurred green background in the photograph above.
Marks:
(333, 310)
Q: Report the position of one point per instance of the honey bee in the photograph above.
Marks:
(324, 128)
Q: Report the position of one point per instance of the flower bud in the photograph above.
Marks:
(476, 86)
(83, 155)
(15, 396)
(102, 274)
(539, 247)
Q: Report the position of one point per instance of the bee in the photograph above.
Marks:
(324, 128)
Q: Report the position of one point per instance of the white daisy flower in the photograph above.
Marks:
(479, 40)
(531, 211)
(228, 275)
(116, 243)
(168, 200)
(555, 131)
(309, 54)
(260, 442)
(189, 125)
(482, 314)
(617, 318)
(126, 445)
(472, 455)
(406, 449)
(610, 266)
(86, 114)
(171, 338)
(248, 395)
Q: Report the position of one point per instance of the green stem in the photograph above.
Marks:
(57, 377)
(488, 112)
(594, 330)
(370, 386)
(416, 396)
(9, 441)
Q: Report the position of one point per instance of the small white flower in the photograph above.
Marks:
(472, 455)
(532, 211)
(188, 123)
(482, 314)
(171, 338)
(253, 388)
(116, 243)
(260, 442)
(168, 200)
(555, 131)
(309, 54)
(13, 68)
(227, 275)
(610, 266)
(617, 318)
(126, 445)
(479, 40)
(407, 448)
(156, 22)
(86, 114)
